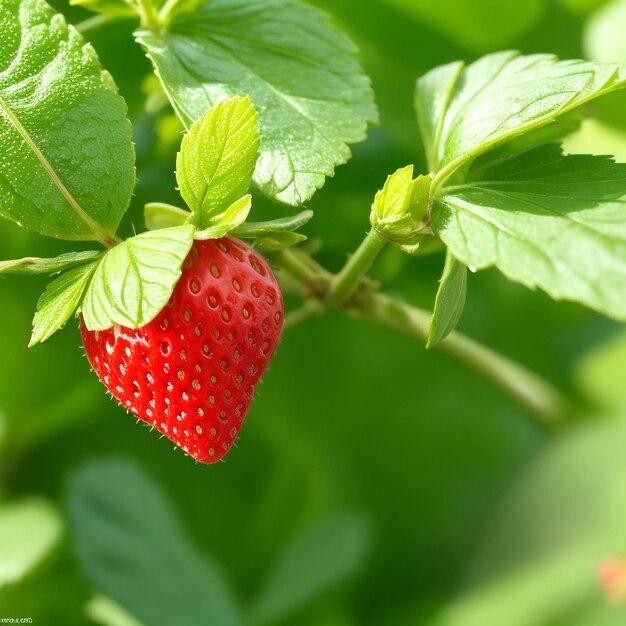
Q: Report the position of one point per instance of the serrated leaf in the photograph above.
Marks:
(66, 154)
(450, 300)
(545, 220)
(322, 556)
(224, 223)
(117, 8)
(29, 530)
(134, 281)
(465, 111)
(59, 301)
(217, 157)
(301, 74)
(35, 265)
(133, 547)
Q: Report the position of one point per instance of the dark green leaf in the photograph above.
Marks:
(216, 160)
(34, 265)
(59, 301)
(300, 73)
(135, 280)
(545, 220)
(66, 154)
(323, 556)
(134, 549)
(450, 300)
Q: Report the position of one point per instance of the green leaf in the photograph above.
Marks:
(135, 280)
(464, 112)
(66, 154)
(301, 74)
(222, 224)
(34, 265)
(321, 557)
(545, 220)
(603, 36)
(254, 230)
(450, 300)
(217, 157)
(29, 530)
(59, 301)
(117, 8)
(278, 241)
(134, 549)
(159, 215)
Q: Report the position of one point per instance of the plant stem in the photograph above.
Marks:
(308, 309)
(349, 278)
(529, 389)
(148, 14)
(92, 23)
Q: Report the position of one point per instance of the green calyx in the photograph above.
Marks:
(400, 210)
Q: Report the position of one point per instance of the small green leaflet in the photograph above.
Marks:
(465, 111)
(450, 300)
(235, 215)
(254, 230)
(135, 280)
(301, 73)
(66, 154)
(35, 265)
(545, 220)
(59, 301)
(158, 215)
(216, 160)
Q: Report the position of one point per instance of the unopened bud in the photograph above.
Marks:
(400, 208)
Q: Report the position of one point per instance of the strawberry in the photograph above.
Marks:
(192, 372)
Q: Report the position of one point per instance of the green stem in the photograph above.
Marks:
(530, 390)
(92, 23)
(148, 14)
(308, 309)
(349, 278)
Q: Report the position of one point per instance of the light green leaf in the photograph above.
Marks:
(59, 301)
(301, 74)
(35, 265)
(159, 215)
(66, 154)
(323, 556)
(217, 157)
(117, 8)
(135, 280)
(223, 223)
(278, 241)
(545, 220)
(497, 98)
(133, 548)
(254, 230)
(450, 300)
(29, 530)
(103, 610)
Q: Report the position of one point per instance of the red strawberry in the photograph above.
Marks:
(192, 372)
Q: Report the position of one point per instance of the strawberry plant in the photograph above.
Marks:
(179, 322)
(351, 291)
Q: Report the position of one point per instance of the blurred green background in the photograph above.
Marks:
(374, 483)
